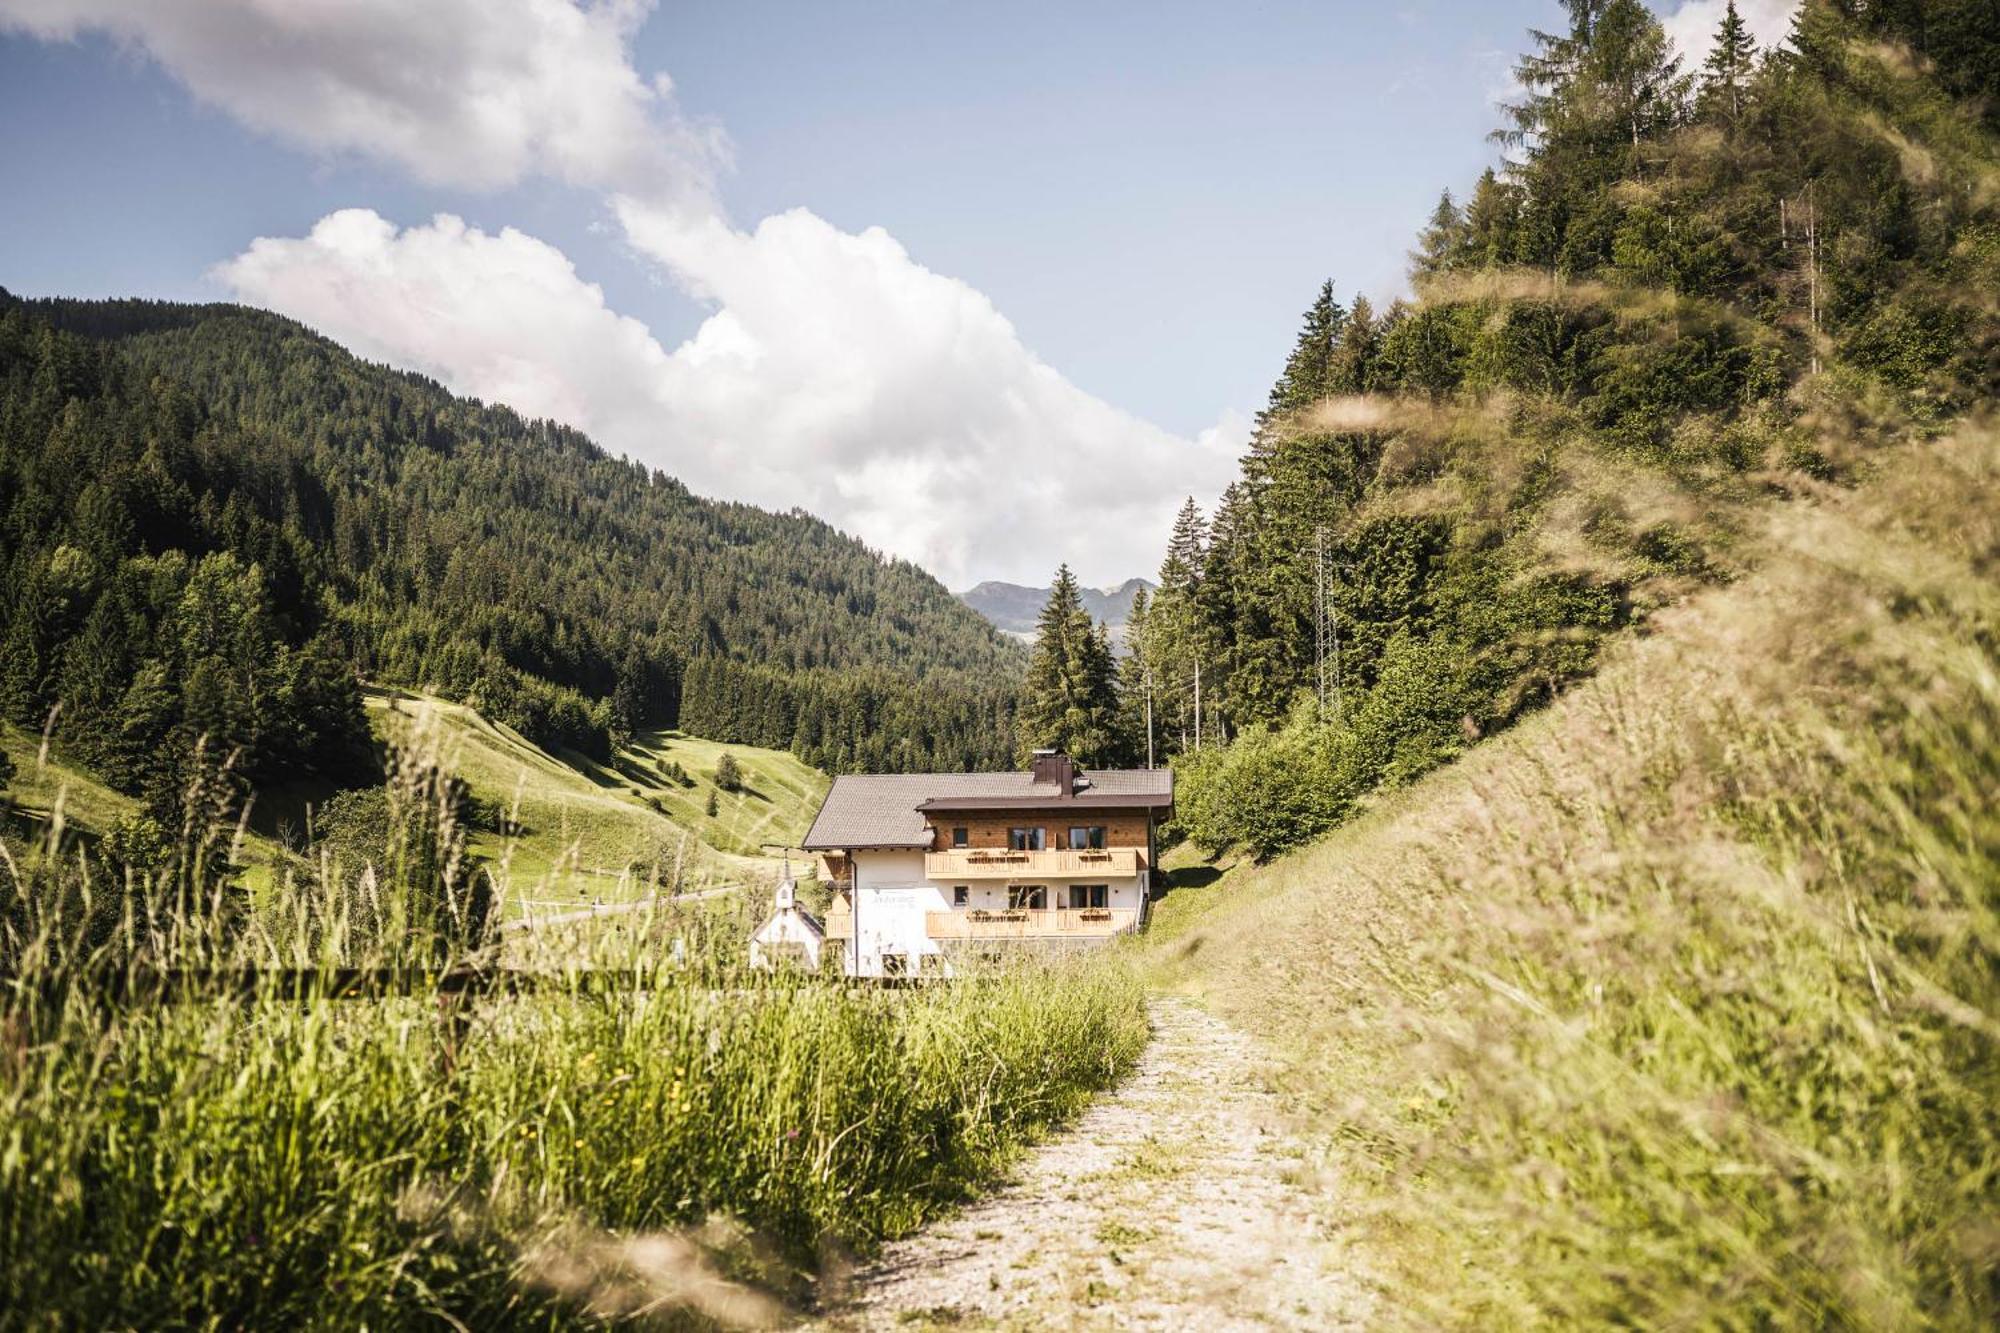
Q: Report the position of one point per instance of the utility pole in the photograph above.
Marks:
(1149, 714)
(1197, 703)
(1812, 273)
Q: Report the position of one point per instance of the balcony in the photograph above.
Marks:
(961, 864)
(1028, 923)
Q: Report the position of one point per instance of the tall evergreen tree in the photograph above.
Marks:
(1306, 375)
(1138, 724)
(1634, 72)
(1438, 244)
(1070, 700)
(1354, 359)
(1726, 72)
(1176, 641)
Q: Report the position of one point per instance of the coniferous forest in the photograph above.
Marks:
(216, 523)
(1681, 293)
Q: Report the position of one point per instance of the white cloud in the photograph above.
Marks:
(503, 317)
(835, 372)
(476, 93)
(1693, 24)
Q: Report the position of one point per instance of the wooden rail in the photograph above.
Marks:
(1030, 923)
(984, 863)
(358, 983)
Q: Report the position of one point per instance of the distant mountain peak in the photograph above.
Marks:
(1014, 607)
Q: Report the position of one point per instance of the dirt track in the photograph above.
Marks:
(1170, 1204)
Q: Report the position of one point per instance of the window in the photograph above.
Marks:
(1090, 895)
(961, 894)
(1027, 839)
(1086, 839)
(895, 965)
(959, 837)
(1030, 896)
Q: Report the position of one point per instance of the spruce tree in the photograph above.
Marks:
(1070, 700)
(1438, 243)
(1305, 378)
(1633, 71)
(1175, 641)
(1727, 70)
(1186, 548)
(1490, 220)
(1135, 683)
(1355, 357)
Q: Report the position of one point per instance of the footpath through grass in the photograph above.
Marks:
(1680, 1005)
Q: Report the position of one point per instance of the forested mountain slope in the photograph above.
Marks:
(1682, 296)
(211, 519)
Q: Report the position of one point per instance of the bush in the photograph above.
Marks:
(1269, 790)
(728, 775)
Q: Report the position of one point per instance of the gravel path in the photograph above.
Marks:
(1170, 1204)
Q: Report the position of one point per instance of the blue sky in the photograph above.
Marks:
(1112, 214)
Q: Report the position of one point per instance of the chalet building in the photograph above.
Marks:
(925, 866)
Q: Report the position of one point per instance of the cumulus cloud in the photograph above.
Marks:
(473, 93)
(836, 374)
(1693, 24)
(834, 371)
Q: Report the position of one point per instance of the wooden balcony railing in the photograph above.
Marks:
(985, 863)
(1022, 923)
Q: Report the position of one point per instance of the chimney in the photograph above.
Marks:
(1053, 768)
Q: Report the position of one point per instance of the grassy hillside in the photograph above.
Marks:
(1679, 1005)
(579, 830)
(588, 829)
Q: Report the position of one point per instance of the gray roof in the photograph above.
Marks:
(882, 809)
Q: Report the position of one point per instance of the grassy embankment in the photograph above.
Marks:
(1679, 1005)
(206, 1158)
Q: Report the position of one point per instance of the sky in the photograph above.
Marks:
(989, 287)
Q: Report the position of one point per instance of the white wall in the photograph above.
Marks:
(892, 897)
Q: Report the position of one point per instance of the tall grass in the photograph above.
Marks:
(180, 1147)
(1680, 1006)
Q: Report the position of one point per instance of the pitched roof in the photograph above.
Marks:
(886, 809)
